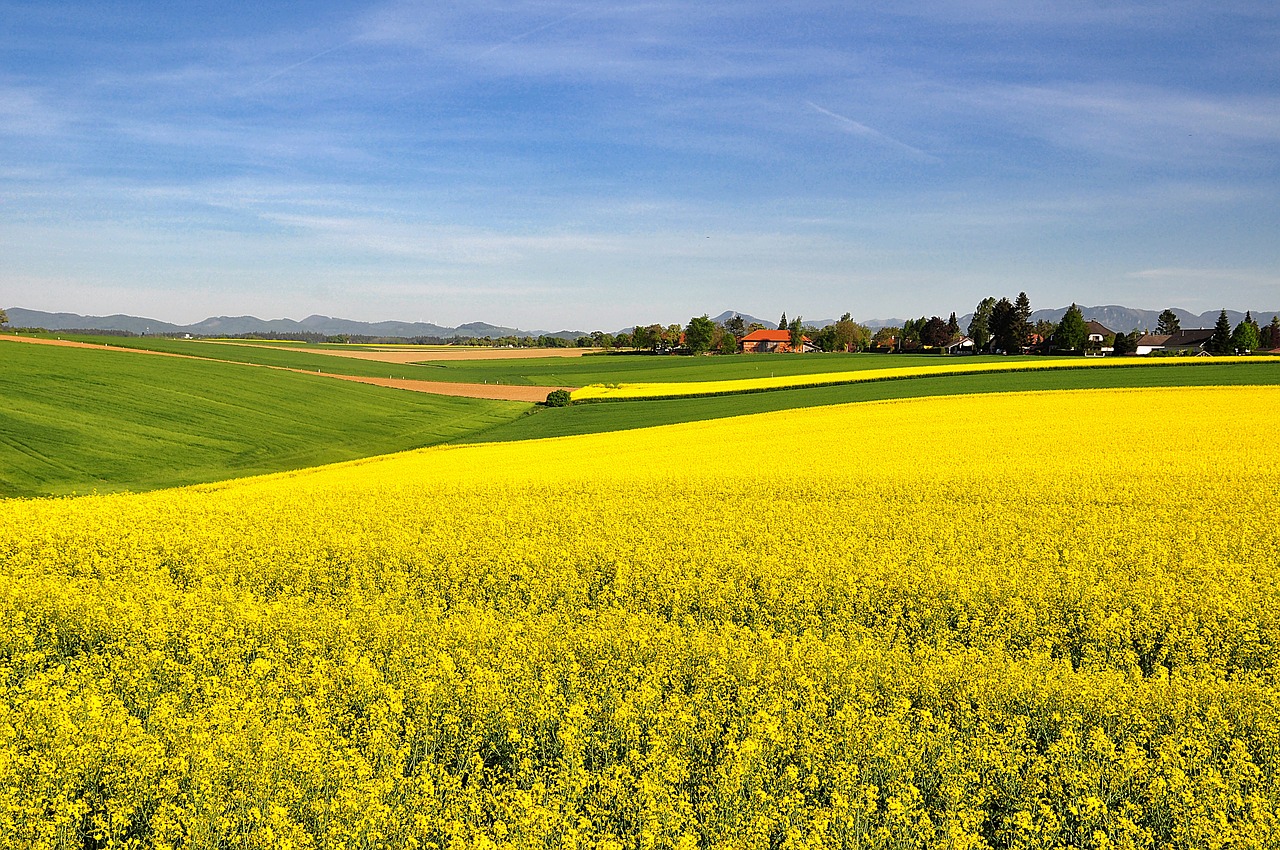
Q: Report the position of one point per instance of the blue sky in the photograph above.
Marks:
(589, 165)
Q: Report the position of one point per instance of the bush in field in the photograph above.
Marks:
(558, 398)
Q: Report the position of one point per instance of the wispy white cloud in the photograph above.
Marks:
(1255, 277)
(441, 149)
(26, 111)
(1135, 122)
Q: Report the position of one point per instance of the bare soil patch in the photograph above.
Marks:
(400, 355)
(490, 391)
(499, 392)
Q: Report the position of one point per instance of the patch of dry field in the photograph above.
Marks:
(400, 355)
(501, 392)
(498, 392)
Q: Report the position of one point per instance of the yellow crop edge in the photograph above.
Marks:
(621, 392)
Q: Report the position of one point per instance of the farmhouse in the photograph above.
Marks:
(1190, 341)
(1148, 343)
(963, 345)
(1096, 331)
(762, 341)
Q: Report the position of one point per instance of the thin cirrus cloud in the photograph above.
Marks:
(695, 152)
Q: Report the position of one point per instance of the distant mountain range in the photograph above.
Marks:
(1114, 317)
(237, 325)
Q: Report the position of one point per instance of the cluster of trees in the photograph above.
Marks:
(655, 337)
(1002, 325)
(702, 335)
(1247, 336)
(932, 332)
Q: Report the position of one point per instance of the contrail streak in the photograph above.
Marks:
(857, 129)
(533, 31)
(296, 65)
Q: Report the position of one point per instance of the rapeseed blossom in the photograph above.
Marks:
(1033, 620)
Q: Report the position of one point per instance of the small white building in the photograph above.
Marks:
(963, 345)
(1148, 343)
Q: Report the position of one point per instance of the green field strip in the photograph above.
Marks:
(77, 420)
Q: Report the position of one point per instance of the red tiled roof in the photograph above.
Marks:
(769, 336)
(763, 335)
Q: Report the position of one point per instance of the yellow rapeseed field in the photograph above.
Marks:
(938, 366)
(1040, 620)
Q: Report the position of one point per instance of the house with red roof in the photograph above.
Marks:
(761, 341)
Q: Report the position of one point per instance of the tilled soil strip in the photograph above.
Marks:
(499, 392)
(401, 356)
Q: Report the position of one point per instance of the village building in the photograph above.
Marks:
(963, 345)
(1190, 341)
(779, 342)
(1147, 343)
(1096, 335)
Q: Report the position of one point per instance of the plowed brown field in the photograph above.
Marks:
(499, 392)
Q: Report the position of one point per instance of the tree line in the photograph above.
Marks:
(998, 325)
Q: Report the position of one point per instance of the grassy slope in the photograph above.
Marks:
(593, 418)
(267, 356)
(74, 420)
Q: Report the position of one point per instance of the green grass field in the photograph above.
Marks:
(592, 418)
(75, 420)
(266, 355)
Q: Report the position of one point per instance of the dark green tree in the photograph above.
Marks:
(1220, 342)
(911, 333)
(557, 398)
(782, 323)
(1072, 331)
(725, 342)
(736, 327)
(797, 333)
(824, 338)
(934, 333)
(1125, 343)
(1021, 320)
(1167, 323)
(888, 337)
(980, 324)
(953, 328)
(846, 333)
(1245, 337)
(1044, 328)
(1269, 339)
(698, 334)
(1004, 327)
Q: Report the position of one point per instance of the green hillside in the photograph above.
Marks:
(76, 420)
